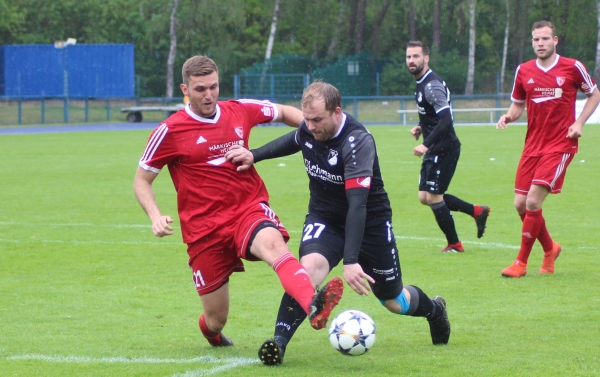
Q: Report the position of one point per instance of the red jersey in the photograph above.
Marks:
(550, 94)
(210, 192)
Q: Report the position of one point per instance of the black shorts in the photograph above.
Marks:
(437, 172)
(378, 254)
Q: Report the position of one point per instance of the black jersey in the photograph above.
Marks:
(351, 153)
(433, 102)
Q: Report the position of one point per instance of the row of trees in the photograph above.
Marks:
(472, 40)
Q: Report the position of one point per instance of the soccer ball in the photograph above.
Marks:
(352, 333)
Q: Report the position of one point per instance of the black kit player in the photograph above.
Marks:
(349, 217)
(440, 148)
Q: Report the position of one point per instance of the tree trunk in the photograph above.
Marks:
(360, 35)
(471, 68)
(377, 24)
(437, 27)
(412, 22)
(505, 49)
(272, 33)
(597, 68)
(265, 66)
(352, 26)
(172, 50)
(524, 29)
(336, 39)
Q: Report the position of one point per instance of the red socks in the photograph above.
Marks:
(295, 280)
(213, 338)
(533, 222)
(543, 236)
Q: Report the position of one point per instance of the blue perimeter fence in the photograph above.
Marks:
(484, 108)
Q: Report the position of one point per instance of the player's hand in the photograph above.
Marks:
(161, 227)
(355, 277)
(575, 131)
(241, 156)
(416, 132)
(420, 150)
(504, 121)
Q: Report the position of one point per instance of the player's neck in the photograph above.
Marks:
(420, 75)
(547, 62)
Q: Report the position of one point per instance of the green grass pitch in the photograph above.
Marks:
(87, 290)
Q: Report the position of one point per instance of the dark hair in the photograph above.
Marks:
(419, 44)
(319, 89)
(198, 65)
(541, 24)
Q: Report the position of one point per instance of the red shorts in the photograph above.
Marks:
(547, 170)
(215, 257)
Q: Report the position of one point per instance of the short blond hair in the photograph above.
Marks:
(541, 24)
(198, 65)
(320, 89)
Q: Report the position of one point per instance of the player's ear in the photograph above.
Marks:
(184, 90)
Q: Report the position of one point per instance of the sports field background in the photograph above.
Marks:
(87, 290)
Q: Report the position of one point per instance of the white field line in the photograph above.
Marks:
(90, 242)
(229, 362)
(116, 226)
(124, 226)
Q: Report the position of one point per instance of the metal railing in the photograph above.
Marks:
(495, 113)
(367, 109)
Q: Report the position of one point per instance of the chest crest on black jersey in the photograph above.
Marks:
(420, 98)
(332, 158)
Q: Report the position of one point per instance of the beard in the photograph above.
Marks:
(416, 70)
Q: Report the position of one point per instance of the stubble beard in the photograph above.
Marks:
(416, 71)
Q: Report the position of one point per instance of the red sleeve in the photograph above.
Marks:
(585, 82)
(518, 94)
(160, 149)
(259, 111)
(360, 182)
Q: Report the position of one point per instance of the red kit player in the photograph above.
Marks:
(548, 86)
(224, 214)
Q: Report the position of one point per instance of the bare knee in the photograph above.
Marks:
(268, 245)
(423, 197)
(392, 306)
(316, 266)
(215, 321)
(215, 306)
(520, 203)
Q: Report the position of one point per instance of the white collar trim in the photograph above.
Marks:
(189, 111)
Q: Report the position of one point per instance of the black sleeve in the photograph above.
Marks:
(355, 223)
(358, 152)
(437, 96)
(442, 128)
(282, 146)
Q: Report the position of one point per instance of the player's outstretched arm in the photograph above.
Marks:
(514, 112)
(282, 146)
(142, 187)
(289, 115)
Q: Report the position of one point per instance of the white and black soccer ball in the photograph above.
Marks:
(352, 333)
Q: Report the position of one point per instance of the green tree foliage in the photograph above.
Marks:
(235, 34)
